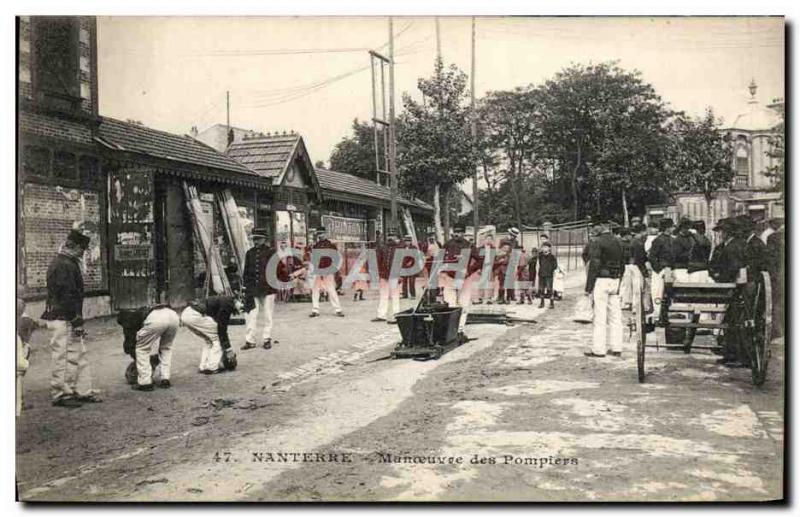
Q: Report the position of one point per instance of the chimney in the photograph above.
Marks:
(193, 132)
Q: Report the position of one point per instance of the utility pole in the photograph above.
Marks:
(474, 128)
(228, 132)
(392, 146)
(438, 40)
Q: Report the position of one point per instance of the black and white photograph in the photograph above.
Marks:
(400, 258)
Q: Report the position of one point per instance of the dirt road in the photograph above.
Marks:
(517, 414)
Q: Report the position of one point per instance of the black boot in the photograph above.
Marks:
(541, 303)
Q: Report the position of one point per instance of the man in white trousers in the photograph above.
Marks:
(326, 281)
(155, 338)
(603, 281)
(457, 293)
(389, 287)
(71, 381)
(209, 319)
(259, 293)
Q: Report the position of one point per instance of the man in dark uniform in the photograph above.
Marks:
(409, 281)
(209, 319)
(700, 253)
(259, 293)
(603, 282)
(71, 382)
(660, 258)
(727, 261)
(389, 288)
(775, 265)
(682, 247)
(453, 293)
(327, 281)
(756, 256)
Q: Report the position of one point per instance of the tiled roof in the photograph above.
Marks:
(266, 155)
(349, 184)
(135, 138)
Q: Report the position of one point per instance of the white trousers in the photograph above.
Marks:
(70, 368)
(657, 288)
(206, 328)
(626, 286)
(259, 320)
(388, 289)
(458, 297)
(327, 282)
(607, 331)
(155, 338)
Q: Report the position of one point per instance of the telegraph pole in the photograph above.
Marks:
(438, 40)
(228, 107)
(392, 146)
(474, 129)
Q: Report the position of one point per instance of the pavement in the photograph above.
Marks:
(516, 414)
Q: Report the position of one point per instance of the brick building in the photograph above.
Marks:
(60, 180)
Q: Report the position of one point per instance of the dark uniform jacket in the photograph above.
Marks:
(324, 262)
(385, 256)
(452, 254)
(64, 290)
(548, 263)
(682, 248)
(638, 255)
(756, 257)
(728, 258)
(605, 260)
(700, 253)
(409, 262)
(220, 308)
(255, 278)
(775, 243)
(661, 252)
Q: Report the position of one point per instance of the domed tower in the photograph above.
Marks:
(750, 132)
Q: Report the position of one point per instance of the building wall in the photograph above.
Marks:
(49, 213)
(87, 69)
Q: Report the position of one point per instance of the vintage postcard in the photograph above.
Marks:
(395, 258)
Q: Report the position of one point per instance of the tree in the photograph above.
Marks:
(356, 154)
(602, 128)
(511, 131)
(699, 156)
(434, 146)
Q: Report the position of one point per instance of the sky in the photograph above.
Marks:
(311, 74)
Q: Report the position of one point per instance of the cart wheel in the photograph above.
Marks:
(641, 334)
(758, 328)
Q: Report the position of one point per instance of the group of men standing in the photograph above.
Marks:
(685, 253)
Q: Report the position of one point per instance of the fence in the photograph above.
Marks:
(567, 239)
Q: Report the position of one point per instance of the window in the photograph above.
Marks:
(88, 168)
(36, 161)
(57, 79)
(65, 165)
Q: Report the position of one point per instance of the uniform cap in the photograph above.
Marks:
(260, 232)
(459, 228)
(321, 229)
(79, 239)
(722, 224)
(685, 223)
(665, 224)
(514, 231)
